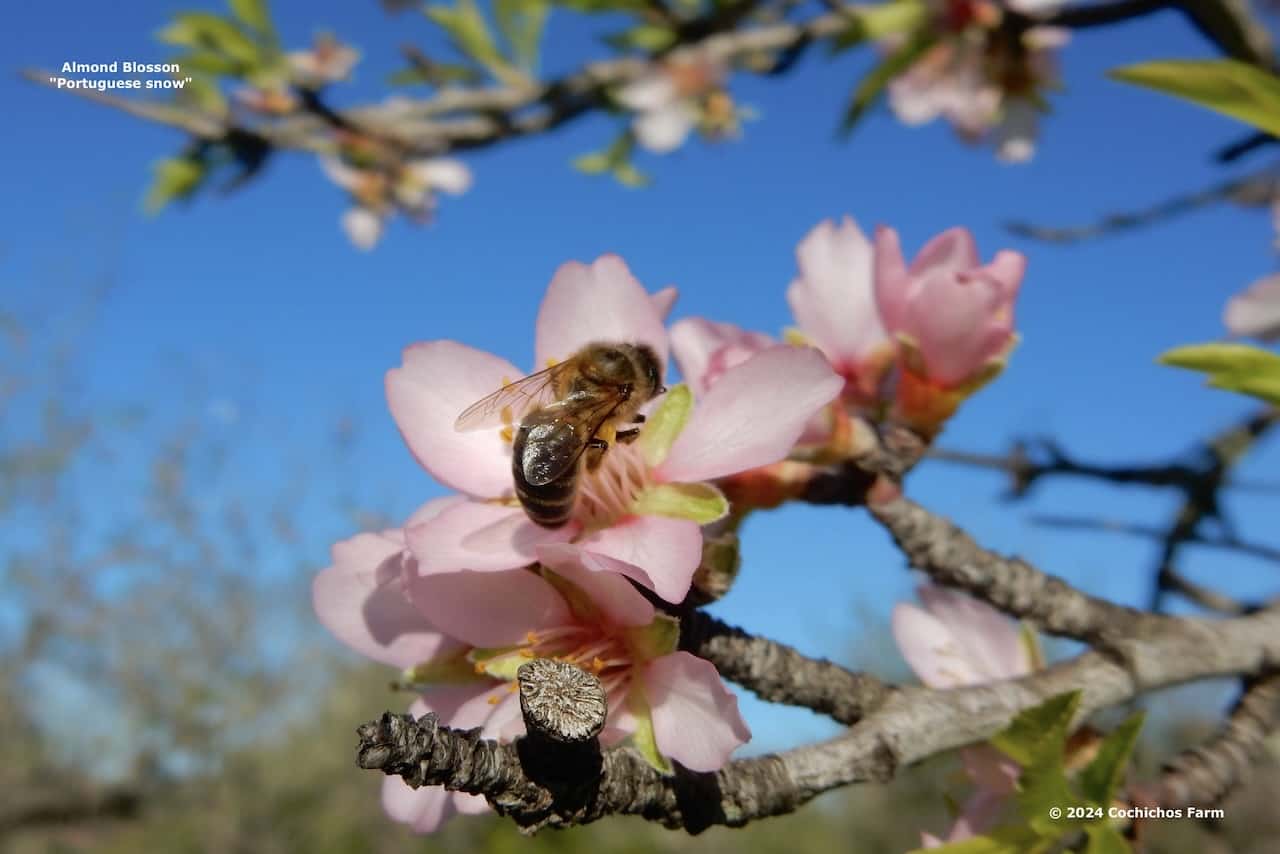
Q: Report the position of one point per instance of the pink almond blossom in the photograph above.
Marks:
(956, 640)
(953, 313)
(678, 95)
(409, 187)
(328, 61)
(363, 599)
(628, 517)
(1255, 311)
(705, 349)
(833, 301)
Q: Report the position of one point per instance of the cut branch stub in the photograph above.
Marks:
(561, 702)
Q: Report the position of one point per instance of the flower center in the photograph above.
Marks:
(607, 492)
(595, 649)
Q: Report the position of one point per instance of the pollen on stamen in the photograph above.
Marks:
(492, 700)
(508, 435)
(528, 653)
(597, 665)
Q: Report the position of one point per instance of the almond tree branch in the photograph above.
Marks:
(912, 725)
(951, 558)
(1204, 775)
(460, 118)
(779, 674)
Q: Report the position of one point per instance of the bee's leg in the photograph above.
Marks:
(595, 451)
(626, 437)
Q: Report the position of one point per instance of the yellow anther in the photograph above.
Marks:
(551, 363)
(508, 435)
(507, 415)
(531, 637)
(528, 653)
(493, 701)
(597, 665)
(479, 667)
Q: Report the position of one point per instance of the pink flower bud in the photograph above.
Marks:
(953, 316)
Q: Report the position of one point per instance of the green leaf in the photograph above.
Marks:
(643, 739)
(592, 164)
(659, 638)
(871, 86)
(649, 38)
(209, 62)
(521, 23)
(1030, 642)
(1234, 88)
(1005, 840)
(175, 178)
(602, 6)
(469, 33)
(203, 31)
(255, 14)
(1233, 367)
(1039, 731)
(439, 74)
(664, 425)
(698, 502)
(1101, 776)
(628, 175)
(870, 23)
(203, 94)
(1105, 839)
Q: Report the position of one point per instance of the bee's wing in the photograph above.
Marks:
(509, 404)
(559, 434)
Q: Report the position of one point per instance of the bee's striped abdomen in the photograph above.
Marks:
(550, 504)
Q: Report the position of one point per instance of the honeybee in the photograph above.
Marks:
(567, 416)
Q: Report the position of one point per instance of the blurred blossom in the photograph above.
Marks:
(1255, 311)
(268, 100)
(328, 61)
(987, 79)
(378, 191)
(682, 92)
(955, 640)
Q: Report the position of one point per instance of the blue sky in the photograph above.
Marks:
(291, 325)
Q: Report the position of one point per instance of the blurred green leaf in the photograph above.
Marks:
(1234, 88)
(1233, 367)
(593, 163)
(470, 34)
(1102, 775)
(255, 14)
(869, 23)
(175, 178)
(201, 30)
(208, 62)
(871, 86)
(602, 6)
(649, 38)
(628, 175)
(1105, 839)
(521, 23)
(203, 94)
(1039, 731)
(1005, 840)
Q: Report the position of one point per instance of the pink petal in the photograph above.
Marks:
(892, 282)
(1255, 311)
(960, 324)
(489, 609)
(600, 302)
(463, 705)
(1007, 270)
(695, 717)
(437, 381)
(990, 640)
(990, 769)
(931, 649)
(424, 809)
(705, 349)
(664, 300)
(952, 251)
(610, 592)
(833, 299)
(659, 552)
(362, 600)
(506, 721)
(480, 537)
(753, 415)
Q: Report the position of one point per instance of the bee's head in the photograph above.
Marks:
(650, 369)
